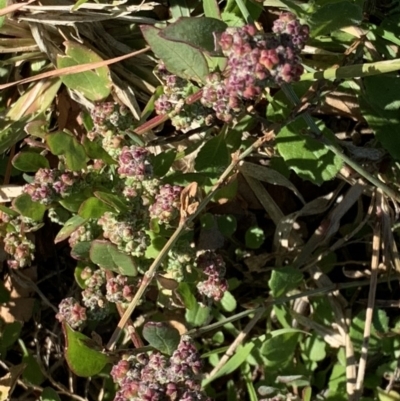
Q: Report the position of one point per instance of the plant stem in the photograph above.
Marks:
(353, 71)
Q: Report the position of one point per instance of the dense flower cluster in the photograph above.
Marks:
(172, 102)
(14, 231)
(156, 377)
(125, 232)
(72, 312)
(134, 161)
(166, 204)
(110, 116)
(110, 121)
(255, 60)
(120, 289)
(50, 185)
(213, 267)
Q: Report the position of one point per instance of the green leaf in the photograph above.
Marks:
(73, 202)
(30, 161)
(228, 302)
(380, 324)
(49, 394)
(179, 58)
(62, 143)
(83, 360)
(283, 279)
(81, 251)
(314, 348)
(332, 17)
(179, 8)
(186, 294)
(32, 372)
(254, 237)
(233, 363)
(306, 156)
(162, 162)
(95, 151)
(11, 132)
(93, 208)
(95, 85)
(161, 336)
(28, 208)
(115, 201)
(280, 348)
(3, 4)
(109, 257)
(211, 9)
(4, 293)
(379, 107)
(198, 315)
(227, 192)
(69, 227)
(213, 156)
(197, 32)
(10, 333)
(226, 225)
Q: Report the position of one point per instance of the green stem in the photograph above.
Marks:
(283, 300)
(291, 95)
(353, 71)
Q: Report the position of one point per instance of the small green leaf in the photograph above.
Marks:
(380, 324)
(197, 32)
(28, 208)
(179, 58)
(32, 372)
(73, 202)
(11, 132)
(280, 348)
(49, 394)
(115, 201)
(213, 156)
(186, 295)
(310, 159)
(227, 225)
(254, 237)
(241, 354)
(332, 17)
(109, 257)
(284, 279)
(162, 162)
(82, 360)
(377, 109)
(314, 348)
(161, 336)
(198, 315)
(95, 151)
(93, 208)
(10, 333)
(211, 9)
(227, 192)
(69, 227)
(30, 161)
(81, 251)
(4, 293)
(228, 302)
(95, 85)
(62, 143)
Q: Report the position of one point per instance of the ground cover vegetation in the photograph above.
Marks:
(199, 200)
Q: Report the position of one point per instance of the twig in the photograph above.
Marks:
(371, 297)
